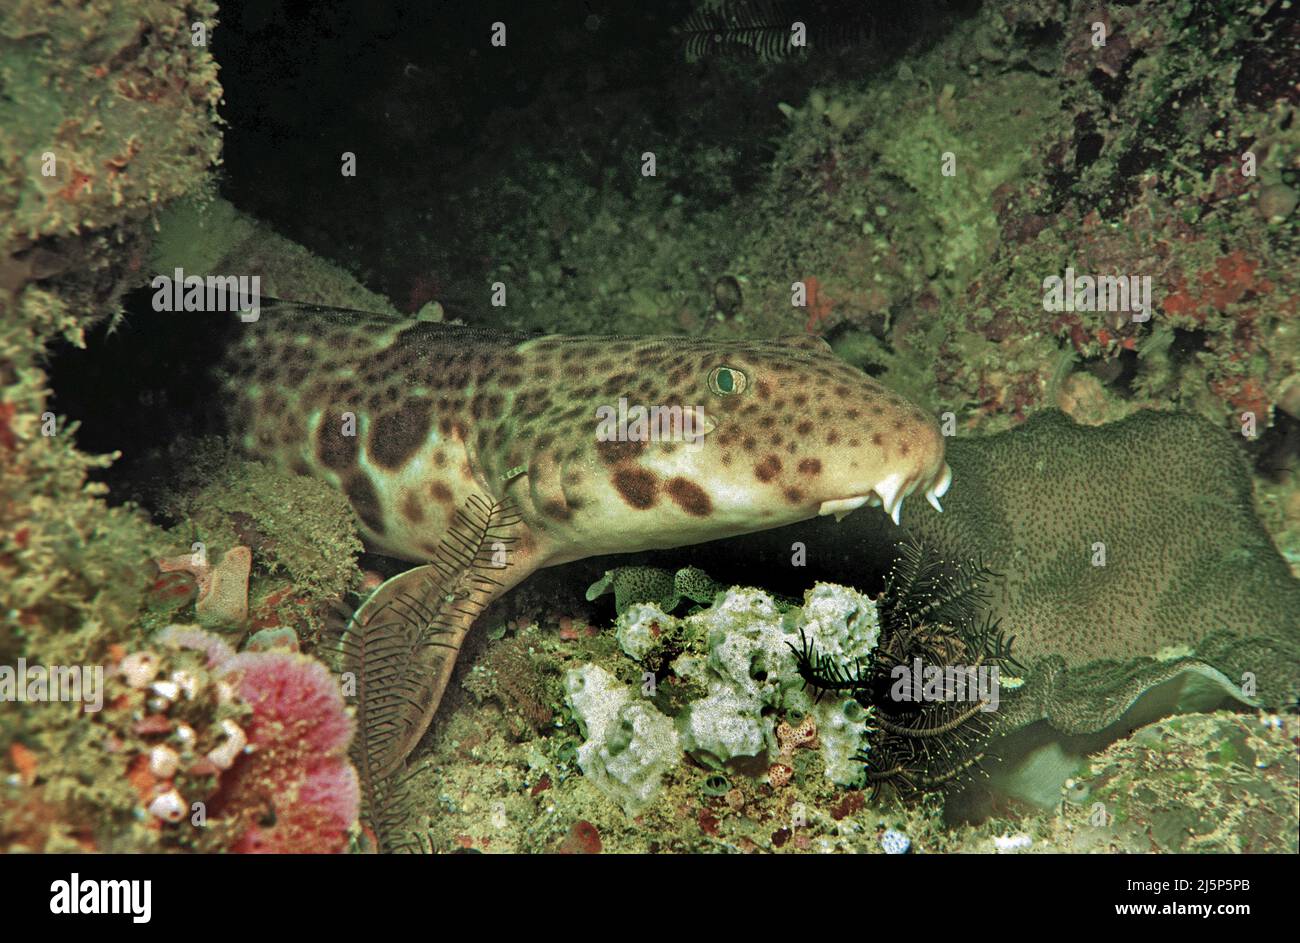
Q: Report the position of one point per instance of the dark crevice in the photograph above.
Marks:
(1277, 451)
(138, 388)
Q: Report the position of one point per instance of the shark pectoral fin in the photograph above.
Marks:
(401, 644)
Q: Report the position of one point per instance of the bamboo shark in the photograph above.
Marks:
(411, 420)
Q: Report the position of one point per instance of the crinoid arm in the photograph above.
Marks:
(931, 614)
(824, 672)
(397, 651)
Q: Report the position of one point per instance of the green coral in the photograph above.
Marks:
(642, 584)
(1130, 540)
(1126, 556)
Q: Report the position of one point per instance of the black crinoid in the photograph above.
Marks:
(385, 647)
(929, 730)
(763, 29)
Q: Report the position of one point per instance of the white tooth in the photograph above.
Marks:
(941, 488)
(889, 490)
(898, 510)
(841, 506)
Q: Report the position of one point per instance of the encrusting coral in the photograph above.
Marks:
(742, 656)
(1121, 555)
(1133, 540)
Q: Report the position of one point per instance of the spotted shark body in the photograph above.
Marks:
(411, 420)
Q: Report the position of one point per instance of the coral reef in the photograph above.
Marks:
(740, 654)
(921, 191)
(1177, 786)
(108, 112)
(300, 532)
(480, 788)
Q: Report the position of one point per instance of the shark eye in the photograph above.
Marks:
(727, 381)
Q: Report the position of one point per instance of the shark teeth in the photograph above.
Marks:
(939, 488)
(842, 506)
(889, 494)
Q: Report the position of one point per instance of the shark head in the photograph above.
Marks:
(666, 441)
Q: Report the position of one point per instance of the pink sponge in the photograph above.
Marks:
(293, 694)
(295, 790)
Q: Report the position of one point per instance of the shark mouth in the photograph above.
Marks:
(889, 494)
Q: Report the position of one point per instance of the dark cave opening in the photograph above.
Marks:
(140, 385)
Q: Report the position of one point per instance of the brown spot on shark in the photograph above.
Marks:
(360, 491)
(335, 450)
(689, 496)
(768, 468)
(557, 510)
(638, 487)
(612, 453)
(396, 436)
(412, 510)
(441, 493)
